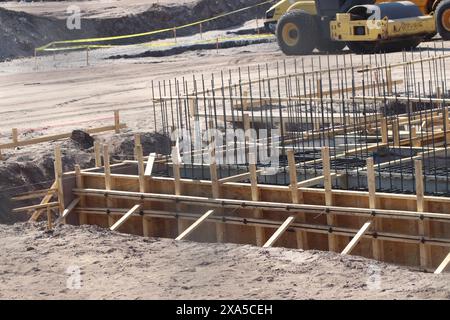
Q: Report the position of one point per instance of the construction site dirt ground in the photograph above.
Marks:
(64, 94)
(36, 264)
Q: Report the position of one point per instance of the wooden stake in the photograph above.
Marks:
(301, 236)
(415, 141)
(49, 218)
(80, 184)
(396, 133)
(384, 130)
(260, 236)
(424, 225)
(98, 157)
(15, 136)
(220, 227)
(58, 178)
(327, 183)
(87, 56)
(108, 183)
(377, 245)
(389, 80)
(141, 168)
(447, 126)
(176, 163)
(117, 121)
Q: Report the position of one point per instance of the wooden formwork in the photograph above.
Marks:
(410, 230)
(407, 229)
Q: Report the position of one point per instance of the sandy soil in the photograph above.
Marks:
(79, 94)
(35, 264)
(89, 9)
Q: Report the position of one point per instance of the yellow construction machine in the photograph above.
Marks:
(363, 25)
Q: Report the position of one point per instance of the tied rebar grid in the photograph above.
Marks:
(359, 106)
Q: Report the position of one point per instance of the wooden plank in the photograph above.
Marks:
(259, 231)
(267, 205)
(279, 232)
(45, 200)
(424, 226)
(70, 208)
(384, 130)
(15, 135)
(377, 244)
(49, 218)
(125, 217)
(107, 167)
(357, 238)
(176, 162)
(236, 178)
(443, 264)
(97, 154)
(33, 194)
(316, 180)
(371, 183)
(116, 121)
(55, 137)
(141, 167)
(150, 163)
(79, 182)
(36, 206)
(396, 133)
(58, 178)
(215, 186)
(327, 183)
(108, 182)
(447, 126)
(194, 226)
(300, 236)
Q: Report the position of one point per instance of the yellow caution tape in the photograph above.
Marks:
(136, 35)
(165, 43)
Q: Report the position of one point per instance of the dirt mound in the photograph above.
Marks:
(32, 168)
(122, 266)
(21, 32)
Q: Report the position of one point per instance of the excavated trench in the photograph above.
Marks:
(21, 32)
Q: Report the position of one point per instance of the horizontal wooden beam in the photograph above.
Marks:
(37, 206)
(29, 142)
(278, 206)
(279, 232)
(125, 217)
(357, 238)
(33, 194)
(265, 223)
(313, 181)
(194, 226)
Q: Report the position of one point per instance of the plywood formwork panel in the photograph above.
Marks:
(395, 251)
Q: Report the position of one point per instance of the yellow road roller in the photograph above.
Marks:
(363, 25)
